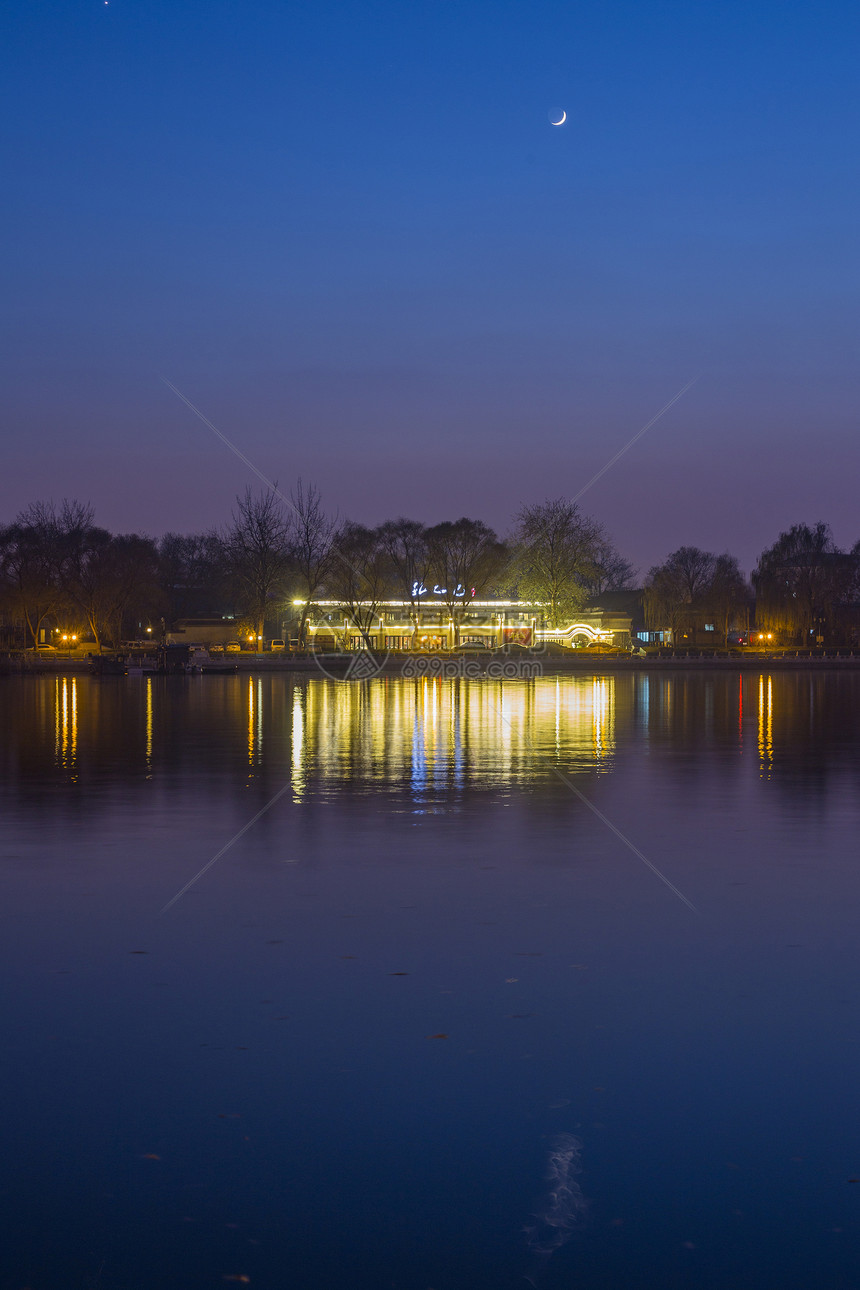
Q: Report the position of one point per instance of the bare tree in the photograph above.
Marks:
(463, 555)
(258, 546)
(801, 580)
(79, 547)
(556, 552)
(405, 543)
(312, 541)
(107, 579)
(675, 590)
(694, 570)
(609, 571)
(194, 574)
(359, 577)
(29, 566)
(693, 584)
(130, 588)
(728, 595)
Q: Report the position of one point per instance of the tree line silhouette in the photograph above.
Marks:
(60, 570)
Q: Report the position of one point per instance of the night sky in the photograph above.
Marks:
(349, 233)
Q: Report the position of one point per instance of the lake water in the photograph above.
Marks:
(428, 977)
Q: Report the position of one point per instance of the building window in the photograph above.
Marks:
(709, 627)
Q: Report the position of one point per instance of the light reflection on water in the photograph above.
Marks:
(436, 733)
(66, 722)
(149, 722)
(255, 1084)
(765, 724)
(443, 737)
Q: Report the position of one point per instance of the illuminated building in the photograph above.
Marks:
(480, 624)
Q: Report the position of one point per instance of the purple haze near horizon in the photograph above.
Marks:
(350, 235)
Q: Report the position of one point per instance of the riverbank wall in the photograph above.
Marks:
(474, 666)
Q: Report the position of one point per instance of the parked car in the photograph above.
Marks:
(216, 649)
(233, 647)
(277, 645)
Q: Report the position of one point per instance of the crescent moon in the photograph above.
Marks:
(562, 121)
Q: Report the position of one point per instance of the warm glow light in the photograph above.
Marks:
(440, 732)
(298, 734)
(66, 721)
(765, 726)
(250, 721)
(149, 721)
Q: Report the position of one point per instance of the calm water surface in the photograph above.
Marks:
(428, 977)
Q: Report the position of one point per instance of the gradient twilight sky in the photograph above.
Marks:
(348, 233)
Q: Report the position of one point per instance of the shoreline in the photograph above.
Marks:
(472, 667)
